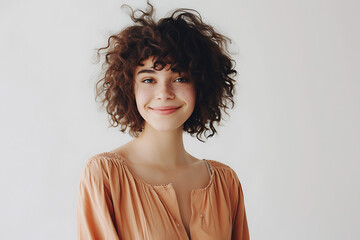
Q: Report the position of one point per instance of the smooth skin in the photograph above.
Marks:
(161, 141)
(165, 99)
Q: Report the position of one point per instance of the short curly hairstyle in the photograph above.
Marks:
(185, 42)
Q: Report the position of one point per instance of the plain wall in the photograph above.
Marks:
(293, 137)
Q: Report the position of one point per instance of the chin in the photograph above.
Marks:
(166, 127)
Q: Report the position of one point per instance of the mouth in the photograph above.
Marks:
(165, 110)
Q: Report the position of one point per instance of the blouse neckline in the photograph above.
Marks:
(121, 158)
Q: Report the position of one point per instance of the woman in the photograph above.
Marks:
(163, 78)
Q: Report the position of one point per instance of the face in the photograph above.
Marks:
(165, 99)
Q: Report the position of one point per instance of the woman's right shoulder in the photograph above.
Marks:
(105, 158)
(103, 163)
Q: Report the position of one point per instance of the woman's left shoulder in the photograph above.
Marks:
(226, 171)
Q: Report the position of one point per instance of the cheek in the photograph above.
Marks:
(142, 97)
(190, 95)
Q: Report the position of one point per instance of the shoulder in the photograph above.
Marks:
(225, 171)
(221, 166)
(104, 158)
(102, 165)
(217, 164)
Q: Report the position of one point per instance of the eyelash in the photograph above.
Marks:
(182, 79)
(149, 80)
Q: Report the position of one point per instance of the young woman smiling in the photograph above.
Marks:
(163, 78)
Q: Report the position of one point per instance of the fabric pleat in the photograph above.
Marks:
(113, 203)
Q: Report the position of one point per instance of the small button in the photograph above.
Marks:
(201, 215)
(178, 225)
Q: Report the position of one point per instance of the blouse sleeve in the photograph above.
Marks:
(240, 227)
(95, 213)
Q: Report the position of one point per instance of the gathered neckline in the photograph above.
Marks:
(121, 158)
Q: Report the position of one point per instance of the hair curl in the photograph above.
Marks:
(189, 45)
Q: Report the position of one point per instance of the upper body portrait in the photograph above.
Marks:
(163, 79)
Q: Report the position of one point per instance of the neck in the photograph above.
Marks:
(163, 148)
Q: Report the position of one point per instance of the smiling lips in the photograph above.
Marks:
(165, 110)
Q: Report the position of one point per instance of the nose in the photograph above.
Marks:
(165, 91)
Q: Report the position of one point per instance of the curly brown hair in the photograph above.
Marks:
(185, 42)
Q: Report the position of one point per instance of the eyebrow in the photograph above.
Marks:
(146, 71)
(152, 71)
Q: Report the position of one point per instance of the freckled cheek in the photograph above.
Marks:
(142, 97)
(189, 94)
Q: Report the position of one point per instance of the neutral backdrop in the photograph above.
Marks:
(293, 137)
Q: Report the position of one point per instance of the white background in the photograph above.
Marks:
(293, 138)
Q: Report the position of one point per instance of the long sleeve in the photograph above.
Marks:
(95, 212)
(240, 227)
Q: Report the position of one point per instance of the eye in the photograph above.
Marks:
(181, 80)
(148, 80)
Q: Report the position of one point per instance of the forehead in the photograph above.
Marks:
(148, 63)
(151, 66)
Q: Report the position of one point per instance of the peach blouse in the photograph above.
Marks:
(113, 203)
